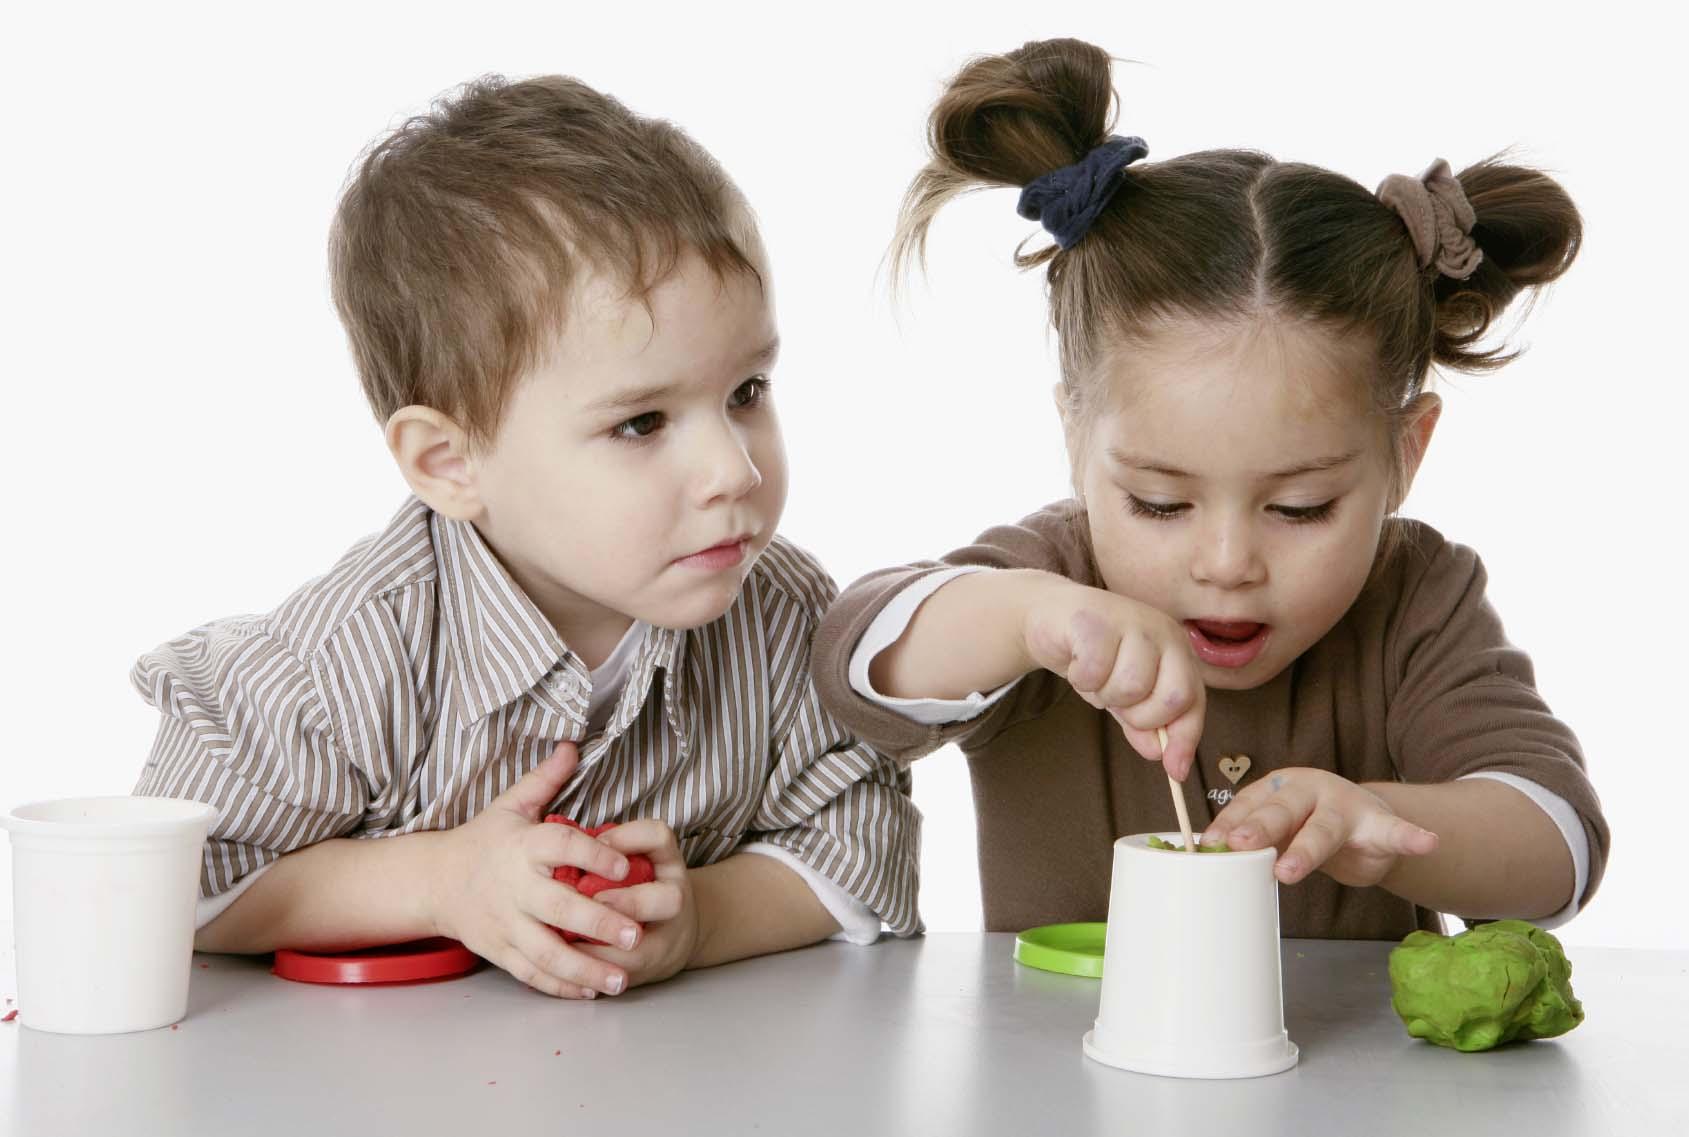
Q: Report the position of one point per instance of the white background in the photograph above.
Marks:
(184, 437)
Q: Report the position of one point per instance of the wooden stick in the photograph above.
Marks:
(1178, 796)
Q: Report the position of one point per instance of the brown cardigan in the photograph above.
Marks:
(1416, 683)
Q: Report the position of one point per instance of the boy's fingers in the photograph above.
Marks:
(648, 836)
(550, 962)
(562, 907)
(552, 845)
(539, 787)
(507, 958)
(648, 903)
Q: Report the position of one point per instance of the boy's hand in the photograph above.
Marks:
(493, 889)
(665, 906)
(1320, 821)
(1126, 658)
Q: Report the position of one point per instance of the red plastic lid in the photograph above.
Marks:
(437, 958)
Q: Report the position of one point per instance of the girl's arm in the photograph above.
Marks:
(982, 630)
(1475, 848)
(1498, 854)
(968, 636)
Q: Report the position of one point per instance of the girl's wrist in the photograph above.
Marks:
(1035, 595)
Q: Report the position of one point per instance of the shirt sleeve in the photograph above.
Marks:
(884, 632)
(831, 801)
(1566, 820)
(1466, 704)
(858, 924)
(244, 727)
(1047, 541)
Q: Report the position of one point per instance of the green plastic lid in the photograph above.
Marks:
(1072, 949)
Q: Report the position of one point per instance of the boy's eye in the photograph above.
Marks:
(1305, 513)
(749, 393)
(639, 426)
(1160, 510)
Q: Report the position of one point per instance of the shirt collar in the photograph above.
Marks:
(502, 645)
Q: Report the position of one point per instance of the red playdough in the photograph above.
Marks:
(640, 871)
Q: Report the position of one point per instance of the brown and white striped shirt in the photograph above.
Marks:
(415, 682)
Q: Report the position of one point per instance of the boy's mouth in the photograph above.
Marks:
(1227, 643)
(716, 557)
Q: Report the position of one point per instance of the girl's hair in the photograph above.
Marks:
(1229, 234)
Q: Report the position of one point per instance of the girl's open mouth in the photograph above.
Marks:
(1227, 643)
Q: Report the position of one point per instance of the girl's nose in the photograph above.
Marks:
(1226, 557)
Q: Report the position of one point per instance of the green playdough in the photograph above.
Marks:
(1491, 984)
(1217, 847)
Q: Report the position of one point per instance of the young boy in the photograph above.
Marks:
(562, 313)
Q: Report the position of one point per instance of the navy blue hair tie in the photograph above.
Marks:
(1069, 200)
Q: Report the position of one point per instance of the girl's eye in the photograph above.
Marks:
(639, 427)
(749, 393)
(1162, 511)
(1302, 514)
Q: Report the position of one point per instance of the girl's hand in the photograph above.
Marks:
(666, 905)
(493, 889)
(1127, 658)
(1319, 820)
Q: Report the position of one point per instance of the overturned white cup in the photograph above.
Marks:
(103, 892)
(1191, 983)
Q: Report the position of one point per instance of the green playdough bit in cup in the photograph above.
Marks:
(1491, 984)
(1215, 847)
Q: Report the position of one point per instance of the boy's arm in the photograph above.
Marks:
(752, 905)
(335, 895)
(244, 726)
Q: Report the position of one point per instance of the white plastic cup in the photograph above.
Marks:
(103, 894)
(1191, 983)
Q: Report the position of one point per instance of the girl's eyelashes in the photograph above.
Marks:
(1166, 511)
(1306, 514)
(1161, 511)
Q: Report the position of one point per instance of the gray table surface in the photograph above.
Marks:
(940, 1035)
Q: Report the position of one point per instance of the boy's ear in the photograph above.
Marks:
(1416, 430)
(433, 454)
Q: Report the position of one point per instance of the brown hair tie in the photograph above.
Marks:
(1438, 218)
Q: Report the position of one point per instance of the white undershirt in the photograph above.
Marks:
(894, 619)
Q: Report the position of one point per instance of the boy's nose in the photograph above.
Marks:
(728, 472)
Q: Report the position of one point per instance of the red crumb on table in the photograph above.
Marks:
(8, 1016)
(555, 1053)
(205, 967)
(492, 1083)
(175, 1026)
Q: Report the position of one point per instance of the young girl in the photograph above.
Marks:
(1244, 347)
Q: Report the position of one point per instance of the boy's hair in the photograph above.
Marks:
(459, 234)
(1229, 234)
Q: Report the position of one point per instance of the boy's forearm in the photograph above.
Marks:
(753, 905)
(337, 894)
(1498, 854)
(968, 636)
